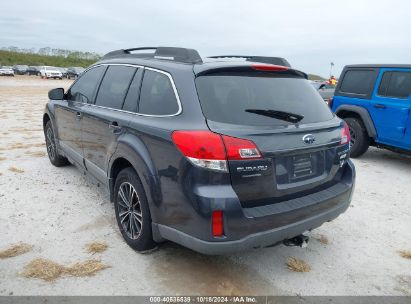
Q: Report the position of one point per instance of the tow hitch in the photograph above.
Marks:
(300, 240)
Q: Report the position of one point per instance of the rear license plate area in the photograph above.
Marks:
(300, 167)
(303, 166)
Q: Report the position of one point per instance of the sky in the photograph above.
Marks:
(310, 34)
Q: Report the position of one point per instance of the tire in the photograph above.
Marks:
(55, 158)
(360, 140)
(137, 231)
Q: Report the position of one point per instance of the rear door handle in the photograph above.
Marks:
(380, 106)
(79, 115)
(115, 128)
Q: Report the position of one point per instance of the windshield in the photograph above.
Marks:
(228, 99)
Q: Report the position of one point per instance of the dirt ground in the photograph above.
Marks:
(59, 211)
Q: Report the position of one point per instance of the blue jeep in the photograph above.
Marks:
(375, 102)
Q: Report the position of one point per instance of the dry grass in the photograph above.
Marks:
(48, 270)
(15, 250)
(298, 265)
(24, 130)
(36, 153)
(405, 254)
(25, 146)
(322, 239)
(96, 247)
(86, 268)
(16, 170)
(44, 269)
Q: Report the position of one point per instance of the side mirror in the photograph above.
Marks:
(56, 94)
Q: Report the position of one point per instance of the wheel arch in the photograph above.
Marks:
(46, 118)
(344, 111)
(131, 152)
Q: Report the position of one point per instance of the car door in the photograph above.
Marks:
(390, 105)
(69, 113)
(106, 119)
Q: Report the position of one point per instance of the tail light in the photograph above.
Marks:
(345, 134)
(217, 223)
(238, 149)
(210, 150)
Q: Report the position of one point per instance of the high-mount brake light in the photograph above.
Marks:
(345, 134)
(212, 151)
(269, 67)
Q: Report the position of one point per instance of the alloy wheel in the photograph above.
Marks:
(353, 137)
(129, 210)
(51, 146)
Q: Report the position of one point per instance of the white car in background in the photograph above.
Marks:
(6, 71)
(50, 72)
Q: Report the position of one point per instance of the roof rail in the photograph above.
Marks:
(168, 53)
(261, 59)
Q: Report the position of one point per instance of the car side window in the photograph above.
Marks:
(399, 85)
(83, 89)
(130, 103)
(385, 80)
(157, 95)
(358, 82)
(114, 86)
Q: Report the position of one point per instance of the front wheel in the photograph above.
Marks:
(132, 211)
(55, 158)
(360, 141)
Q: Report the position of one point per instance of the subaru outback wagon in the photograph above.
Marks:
(218, 155)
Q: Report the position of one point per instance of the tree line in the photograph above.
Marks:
(46, 56)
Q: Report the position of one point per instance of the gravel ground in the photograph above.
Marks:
(59, 211)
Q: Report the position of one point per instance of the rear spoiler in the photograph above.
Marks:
(250, 69)
(261, 59)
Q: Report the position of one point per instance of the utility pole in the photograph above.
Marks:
(331, 68)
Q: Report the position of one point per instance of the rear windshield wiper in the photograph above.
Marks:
(290, 117)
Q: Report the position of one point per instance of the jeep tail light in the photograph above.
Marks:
(345, 134)
(210, 150)
(217, 223)
(330, 102)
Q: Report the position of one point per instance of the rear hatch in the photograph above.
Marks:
(298, 137)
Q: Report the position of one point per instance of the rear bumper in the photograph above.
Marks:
(268, 225)
(257, 240)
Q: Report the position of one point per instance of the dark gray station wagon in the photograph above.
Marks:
(218, 155)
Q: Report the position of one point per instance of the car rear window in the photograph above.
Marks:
(225, 98)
